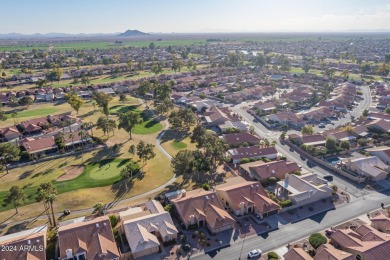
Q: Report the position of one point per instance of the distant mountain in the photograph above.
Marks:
(133, 33)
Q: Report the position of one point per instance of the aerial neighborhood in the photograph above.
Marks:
(169, 146)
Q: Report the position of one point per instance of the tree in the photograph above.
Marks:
(102, 100)
(197, 136)
(107, 125)
(46, 193)
(306, 67)
(26, 101)
(383, 69)
(345, 145)
(183, 163)
(316, 240)
(60, 141)
(307, 129)
(129, 64)
(128, 120)
(187, 116)
(74, 101)
(9, 152)
(145, 151)
(132, 149)
(128, 171)
(122, 97)
(214, 151)
(387, 110)
(362, 142)
(16, 196)
(98, 208)
(365, 112)
(71, 136)
(364, 68)
(259, 60)
(283, 135)
(330, 144)
(85, 80)
(252, 130)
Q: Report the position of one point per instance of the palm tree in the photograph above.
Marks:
(14, 114)
(51, 198)
(90, 124)
(82, 134)
(71, 135)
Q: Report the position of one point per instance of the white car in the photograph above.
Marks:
(254, 253)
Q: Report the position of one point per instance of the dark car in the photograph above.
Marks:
(328, 177)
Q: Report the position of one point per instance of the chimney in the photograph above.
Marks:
(183, 192)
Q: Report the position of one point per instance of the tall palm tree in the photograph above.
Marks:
(71, 135)
(90, 124)
(51, 198)
(82, 134)
(47, 194)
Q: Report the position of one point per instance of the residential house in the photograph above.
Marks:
(9, 133)
(286, 118)
(312, 140)
(145, 228)
(371, 167)
(262, 171)
(28, 244)
(382, 152)
(107, 91)
(251, 152)
(38, 146)
(379, 125)
(241, 139)
(203, 208)
(244, 197)
(381, 223)
(364, 243)
(305, 189)
(33, 126)
(264, 108)
(91, 239)
(297, 254)
(327, 251)
(215, 117)
(360, 131)
(236, 125)
(342, 136)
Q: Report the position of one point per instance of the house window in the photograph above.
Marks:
(227, 203)
(358, 257)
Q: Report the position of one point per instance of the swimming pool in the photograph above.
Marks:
(333, 160)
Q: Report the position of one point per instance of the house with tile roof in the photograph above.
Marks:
(203, 208)
(33, 239)
(145, 228)
(371, 167)
(91, 239)
(313, 140)
(239, 139)
(342, 136)
(364, 243)
(327, 251)
(38, 145)
(382, 152)
(260, 170)
(215, 117)
(305, 189)
(287, 118)
(9, 133)
(244, 197)
(32, 126)
(379, 125)
(381, 223)
(297, 254)
(251, 152)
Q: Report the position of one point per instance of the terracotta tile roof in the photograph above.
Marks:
(38, 145)
(251, 152)
(95, 235)
(297, 254)
(203, 205)
(277, 169)
(240, 138)
(380, 123)
(34, 238)
(327, 251)
(248, 192)
(316, 138)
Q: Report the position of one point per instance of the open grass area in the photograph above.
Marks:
(178, 145)
(175, 141)
(100, 45)
(37, 112)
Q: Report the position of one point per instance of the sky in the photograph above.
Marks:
(193, 16)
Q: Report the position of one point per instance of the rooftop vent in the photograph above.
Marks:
(97, 225)
(28, 242)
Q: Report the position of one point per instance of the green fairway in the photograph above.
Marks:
(147, 127)
(97, 174)
(36, 112)
(178, 145)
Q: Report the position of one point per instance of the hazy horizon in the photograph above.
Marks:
(201, 16)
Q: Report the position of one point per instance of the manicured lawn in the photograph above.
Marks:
(37, 112)
(147, 127)
(178, 145)
(96, 174)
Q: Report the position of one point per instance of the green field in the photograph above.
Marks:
(36, 112)
(178, 145)
(100, 45)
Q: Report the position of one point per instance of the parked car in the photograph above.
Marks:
(321, 125)
(254, 253)
(328, 177)
(66, 212)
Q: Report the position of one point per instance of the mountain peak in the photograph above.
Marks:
(133, 33)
